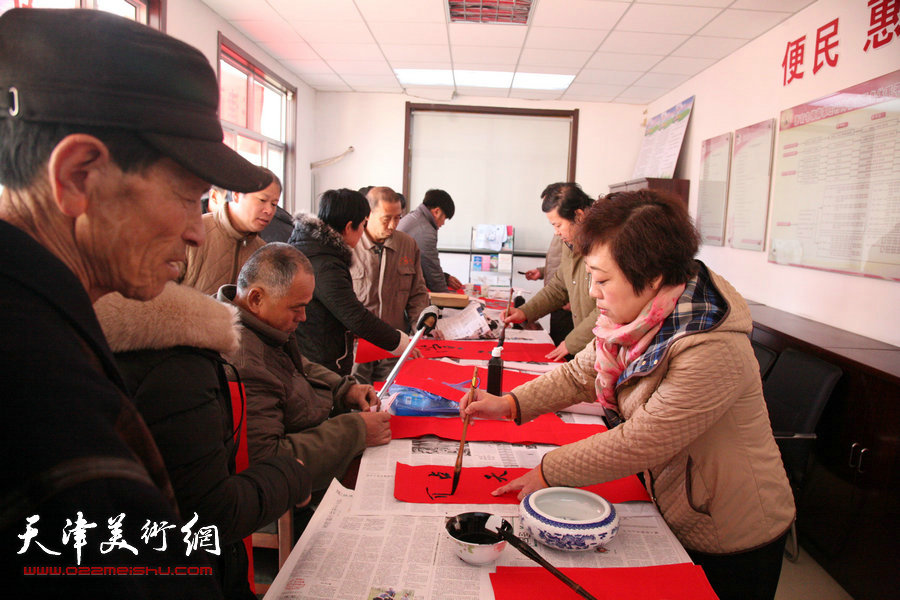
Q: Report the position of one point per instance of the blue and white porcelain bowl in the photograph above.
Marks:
(569, 518)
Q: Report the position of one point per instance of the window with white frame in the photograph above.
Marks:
(255, 108)
(148, 12)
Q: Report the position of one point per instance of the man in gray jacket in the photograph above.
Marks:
(422, 225)
(289, 399)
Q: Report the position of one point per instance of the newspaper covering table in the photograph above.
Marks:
(365, 544)
(343, 555)
(375, 483)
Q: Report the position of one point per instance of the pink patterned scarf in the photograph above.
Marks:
(619, 345)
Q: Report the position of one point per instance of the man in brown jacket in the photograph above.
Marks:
(289, 399)
(232, 235)
(387, 274)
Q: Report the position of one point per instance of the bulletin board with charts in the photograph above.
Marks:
(662, 140)
(712, 199)
(837, 182)
(748, 191)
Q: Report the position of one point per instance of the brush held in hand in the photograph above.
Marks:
(462, 440)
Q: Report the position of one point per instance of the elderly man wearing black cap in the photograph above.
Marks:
(108, 138)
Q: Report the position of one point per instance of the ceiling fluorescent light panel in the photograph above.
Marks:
(483, 79)
(541, 81)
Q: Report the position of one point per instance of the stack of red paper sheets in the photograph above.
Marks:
(463, 349)
(683, 581)
(430, 484)
(448, 380)
(546, 429)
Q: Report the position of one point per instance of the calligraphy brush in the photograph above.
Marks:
(505, 325)
(504, 530)
(462, 440)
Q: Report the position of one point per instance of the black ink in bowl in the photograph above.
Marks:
(478, 538)
(473, 542)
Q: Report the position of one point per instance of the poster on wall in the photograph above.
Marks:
(662, 142)
(837, 182)
(751, 177)
(712, 198)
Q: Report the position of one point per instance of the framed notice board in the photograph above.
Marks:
(662, 140)
(837, 182)
(751, 178)
(715, 165)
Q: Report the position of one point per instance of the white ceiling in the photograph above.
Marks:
(628, 51)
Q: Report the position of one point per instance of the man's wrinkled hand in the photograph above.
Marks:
(361, 397)
(378, 428)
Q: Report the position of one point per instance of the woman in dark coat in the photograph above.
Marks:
(335, 314)
(168, 352)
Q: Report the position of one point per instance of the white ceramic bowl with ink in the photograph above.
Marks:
(569, 518)
(471, 541)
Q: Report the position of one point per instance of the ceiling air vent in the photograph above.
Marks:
(498, 11)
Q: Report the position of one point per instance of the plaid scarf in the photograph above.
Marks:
(700, 308)
(618, 345)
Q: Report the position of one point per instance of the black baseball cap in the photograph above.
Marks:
(88, 67)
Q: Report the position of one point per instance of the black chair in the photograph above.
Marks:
(765, 356)
(796, 391)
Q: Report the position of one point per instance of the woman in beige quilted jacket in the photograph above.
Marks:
(673, 368)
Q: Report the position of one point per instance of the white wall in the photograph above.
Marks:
(742, 89)
(746, 88)
(195, 23)
(609, 136)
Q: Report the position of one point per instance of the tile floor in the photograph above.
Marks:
(805, 579)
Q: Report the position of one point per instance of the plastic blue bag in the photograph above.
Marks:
(413, 402)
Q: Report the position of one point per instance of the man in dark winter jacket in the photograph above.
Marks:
(295, 407)
(279, 228)
(106, 148)
(168, 350)
(335, 315)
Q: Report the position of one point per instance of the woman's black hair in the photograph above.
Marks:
(342, 206)
(566, 198)
(648, 233)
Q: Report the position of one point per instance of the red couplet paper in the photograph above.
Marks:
(683, 581)
(451, 381)
(431, 484)
(546, 429)
(494, 303)
(368, 352)
(467, 349)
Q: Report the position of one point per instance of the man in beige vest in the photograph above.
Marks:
(232, 236)
(387, 274)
